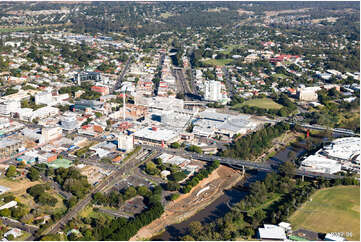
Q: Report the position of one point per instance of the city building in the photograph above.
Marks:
(308, 93)
(9, 106)
(212, 91)
(44, 112)
(271, 232)
(156, 136)
(340, 154)
(43, 98)
(125, 142)
(211, 122)
(69, 121)
(344, 149)
(103, 90)
(49, 134)
(87, 76)
(83, 105)
(318, 163)
(9, 146)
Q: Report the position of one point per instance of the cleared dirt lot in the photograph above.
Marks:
(189, 204)
(93, 173)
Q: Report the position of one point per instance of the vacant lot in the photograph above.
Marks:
(266, 103)
(335, 209)
(17, 186)
(218, 62)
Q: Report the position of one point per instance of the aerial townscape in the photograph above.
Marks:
(179, 121)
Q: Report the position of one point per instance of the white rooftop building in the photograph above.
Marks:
(212, 91)
(125, 142)
(271, 232)
(69, 121)
(9, 106)
(14, 232)
(43, 98)
(9, 205)
(156, 136)
(318, 163)
(211, 122)
(44, 112)
(344, 149)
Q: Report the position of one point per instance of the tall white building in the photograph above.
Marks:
(69, 121)
(43, 98)
(9, 106)
(49, 134)
(308, 93)
(125, 142)
(212, 90)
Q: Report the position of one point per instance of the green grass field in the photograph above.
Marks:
(166, 15)
(281, 76)
(217, 62)
(266, 103)
(335, 209)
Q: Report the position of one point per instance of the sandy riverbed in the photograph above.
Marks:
(189, 204)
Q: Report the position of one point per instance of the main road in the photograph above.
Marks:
(120, 79)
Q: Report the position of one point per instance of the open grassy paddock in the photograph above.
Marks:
(266, 103)
(335, 209)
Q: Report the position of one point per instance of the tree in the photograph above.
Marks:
(151, 168)
(195, 228)
(144, 191)
(287, 169)
(46, 199)
(172, 186)
(11, 171)
(130, 192)
(194, 148)
(178, 176)
(50, 237)
(187, 238)
(175, 145)
(5, 212)
(33, 174)
(174, 196)
(10, 237)
(98, 114)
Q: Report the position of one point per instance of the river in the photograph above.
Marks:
(213, 211)
(219, 207)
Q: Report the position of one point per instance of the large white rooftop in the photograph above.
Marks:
(157, 134)
(344, 148)
(272, 232)
(318, 163)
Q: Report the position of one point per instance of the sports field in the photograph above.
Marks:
(335, 209)
(266, 103)
(217, 62)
